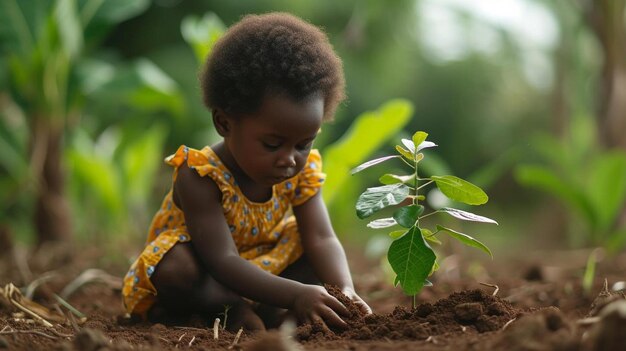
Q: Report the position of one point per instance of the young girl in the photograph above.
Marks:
(224, 237)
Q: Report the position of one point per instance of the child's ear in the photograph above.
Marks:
(221, 122)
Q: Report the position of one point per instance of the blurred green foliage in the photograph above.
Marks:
(120, 77)
(588, 180)
(367, 133)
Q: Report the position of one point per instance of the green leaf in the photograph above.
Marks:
(547, 180)
(202, 34)
(465, 239)
(366, 134)
(154, 77)
(101, 178)
(461, 190)
(409, 145)
(466, 216)
(397, 233)
(141, 160)
(425, 145)
(606, 187)
(377, 198)
(404, 152)
(419, 137)
(21, 24)
(388, 179)
(371, 163)
(590, 272)
(428, 235)
(435, 268)
(70, 28)
(408, 215)
(382, 223)
(616, 241)
(412, 260)
(396, 281)
(111, 11)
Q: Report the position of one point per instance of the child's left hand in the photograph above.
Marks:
(349, 292)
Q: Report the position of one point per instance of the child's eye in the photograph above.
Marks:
(305, 146)
(271, 146)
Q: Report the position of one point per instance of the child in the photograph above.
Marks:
(223, 236)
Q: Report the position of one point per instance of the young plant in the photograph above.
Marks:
(410, 255)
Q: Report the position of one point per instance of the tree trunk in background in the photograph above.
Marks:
(6, 240)
(606, 19)
(52, 211)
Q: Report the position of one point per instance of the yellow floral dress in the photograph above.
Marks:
(262, 232)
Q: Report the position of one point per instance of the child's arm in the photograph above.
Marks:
(200, 199)
(324, 249)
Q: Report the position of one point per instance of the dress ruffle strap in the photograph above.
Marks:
(310, 179)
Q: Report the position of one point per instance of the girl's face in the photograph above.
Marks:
(272, 144)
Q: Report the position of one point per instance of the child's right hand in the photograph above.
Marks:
(313, 302)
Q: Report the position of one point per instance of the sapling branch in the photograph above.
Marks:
(416, 202)
(425, 184)
(428, 214)
(407, 162)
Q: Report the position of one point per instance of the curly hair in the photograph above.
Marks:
(271, 53)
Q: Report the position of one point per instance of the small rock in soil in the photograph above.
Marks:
(468, 312)
(423, 310)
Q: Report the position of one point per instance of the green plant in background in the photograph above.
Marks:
(588, 180)
(55, 84)
(202, 33)
(348, 151)
(411, 257)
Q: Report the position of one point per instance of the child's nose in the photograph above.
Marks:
(286, 159)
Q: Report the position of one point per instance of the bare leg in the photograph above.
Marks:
(185, 288)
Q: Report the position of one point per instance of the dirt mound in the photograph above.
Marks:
(543, 330)
(465, 311)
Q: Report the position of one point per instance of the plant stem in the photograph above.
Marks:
(417, 186)
(425, 184)
(407, 162)
(428, 214)
(414, 303)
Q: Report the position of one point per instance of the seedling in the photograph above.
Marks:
(225, 315)
(410, 255)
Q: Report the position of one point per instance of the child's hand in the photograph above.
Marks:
(313, 302)
(349, 292)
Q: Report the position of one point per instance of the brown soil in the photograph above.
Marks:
(537, 306)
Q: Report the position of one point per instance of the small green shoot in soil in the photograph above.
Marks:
(410, 255)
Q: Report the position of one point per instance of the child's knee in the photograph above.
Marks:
(177, 271)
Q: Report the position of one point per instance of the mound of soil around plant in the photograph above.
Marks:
(465, 311)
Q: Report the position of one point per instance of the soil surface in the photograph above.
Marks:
(532, 303)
